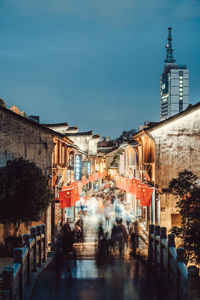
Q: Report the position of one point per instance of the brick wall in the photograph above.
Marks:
(20, 137)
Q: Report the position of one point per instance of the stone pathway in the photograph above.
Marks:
(96, 279)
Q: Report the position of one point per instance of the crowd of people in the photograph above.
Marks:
(119, 239)
(113, 232)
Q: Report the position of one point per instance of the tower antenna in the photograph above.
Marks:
(169, 57)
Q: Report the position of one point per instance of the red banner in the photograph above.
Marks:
(84, 180)
(69, 195)
(131, 187)
(136, 187)
(146, 196)
(121, 183)
(79, 187)
(74, 183)
(139, 187)
(101, 175)
(92, 178)
(65, 198)
(75, 195)
(75, 192)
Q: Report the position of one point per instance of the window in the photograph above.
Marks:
(180, 73)
(180, 106)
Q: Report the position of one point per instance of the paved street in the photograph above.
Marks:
(95, 276)
(92, 278)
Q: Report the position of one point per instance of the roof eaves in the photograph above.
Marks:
(89, 133)
(164, 122)
(177, 116)
(30, 122)
(55, 124)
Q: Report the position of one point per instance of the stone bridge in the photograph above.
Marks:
(160, 276)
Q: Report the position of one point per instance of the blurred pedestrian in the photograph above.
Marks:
(107, 213)
(133, 241)
(68, 249)
(103, 245)
(121, 237)
(100, 231)
(79, 230)
(77, 233)
(113, 237)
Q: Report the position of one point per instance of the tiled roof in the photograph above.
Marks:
(32, 123)
(188, 110)
(56, 124)
(96, 136)
(72, 128)
(79, 133)
(107, 150)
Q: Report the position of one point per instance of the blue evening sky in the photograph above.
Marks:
(94, 63)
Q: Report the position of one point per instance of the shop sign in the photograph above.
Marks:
(89, 168)
(77, 167)
(86, 169)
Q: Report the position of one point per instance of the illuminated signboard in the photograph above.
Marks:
(77, 167)
(89, 167)
(86, 169)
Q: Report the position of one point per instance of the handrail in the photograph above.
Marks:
(31, 242)
(172, 251)
(185, 280)
(22, 265)
(183, 269)
(157, 238)
(164, 242)
(16, 269)
(24, 253)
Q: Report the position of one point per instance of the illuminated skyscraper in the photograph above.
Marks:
(174, 85)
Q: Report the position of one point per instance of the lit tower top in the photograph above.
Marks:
(169, 57)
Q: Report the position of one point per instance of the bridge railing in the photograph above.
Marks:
(184, 281)
(26, 261)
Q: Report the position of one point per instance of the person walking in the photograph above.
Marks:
(121, 237)
(113, 237)
(100, 231)
(67, 245)
(133, 241)
(78, 228)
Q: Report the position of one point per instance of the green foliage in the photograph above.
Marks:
(187, 192)
(24, 194)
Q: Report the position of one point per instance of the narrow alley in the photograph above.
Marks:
(100, 272)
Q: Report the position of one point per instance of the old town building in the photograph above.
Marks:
(86, 142)
(48, 149)
(164, 150)
(20, 137)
